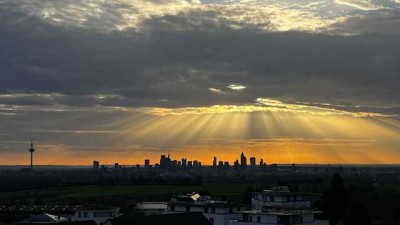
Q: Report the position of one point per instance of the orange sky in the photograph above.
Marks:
(272, 151)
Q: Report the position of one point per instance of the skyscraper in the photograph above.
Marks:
(190, 164)
(243, 161)
(184, 163)
(220, 165)
(147, 163)
(236, 165)
(215, 162)
(253, 161)
(165, 162)
(96, 165)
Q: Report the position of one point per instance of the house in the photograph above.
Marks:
(164, 219)
(279, 197)
(96, 213)
(217, 212)
(278, 217)
(279, 206)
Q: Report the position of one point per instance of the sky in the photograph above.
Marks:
(289, 81)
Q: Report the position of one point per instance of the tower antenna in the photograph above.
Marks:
(31, 150)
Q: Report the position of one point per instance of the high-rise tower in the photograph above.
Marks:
(215, 162)
(31, 150)
(243, 161)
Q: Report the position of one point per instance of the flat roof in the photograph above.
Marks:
(281, 193)
(200, 203)
(280, 212)
(152, 205)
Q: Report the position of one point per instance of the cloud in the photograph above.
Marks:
(98, 15)
(103, 16)
(383, 21)
(215, 90)
(236, 87)
(359, 4)
(270, 105)
(189, 51)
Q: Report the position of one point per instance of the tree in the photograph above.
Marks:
(248, 194)
(335, 199)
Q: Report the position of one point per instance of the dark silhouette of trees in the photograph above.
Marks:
(292, 188)
(358, 215)
(139, 180)
(248, 194)
(335, 200)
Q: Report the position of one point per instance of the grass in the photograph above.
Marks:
(128, 191)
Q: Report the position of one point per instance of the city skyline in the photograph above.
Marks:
(215, 161)
(167, 161)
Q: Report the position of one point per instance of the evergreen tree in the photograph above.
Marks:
(335, 199)
(249, 194)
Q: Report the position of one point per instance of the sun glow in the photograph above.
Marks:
(270, 129)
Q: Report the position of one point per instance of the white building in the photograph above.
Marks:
(218, 212)
(272, 217)
(279, 197)
(278, 206)
(99, 215)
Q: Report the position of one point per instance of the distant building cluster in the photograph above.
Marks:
(166, 163)
(242, 165)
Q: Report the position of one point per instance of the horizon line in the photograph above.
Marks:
(210, 165)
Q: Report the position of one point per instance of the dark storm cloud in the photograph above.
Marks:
(380, 21)
(173, 60)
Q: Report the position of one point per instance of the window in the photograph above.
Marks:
(85, 214)
(212, 220)
(102, 214)
(230, 210)
(272, 198)
(187, 208)
(280, 220)
(284, 220)
(206, 209)
(172, 208)
(258, 219)
(212, 209)
(79, 214)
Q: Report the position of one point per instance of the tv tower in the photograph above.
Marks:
(31, 150)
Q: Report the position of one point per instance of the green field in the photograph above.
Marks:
(75, 192)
